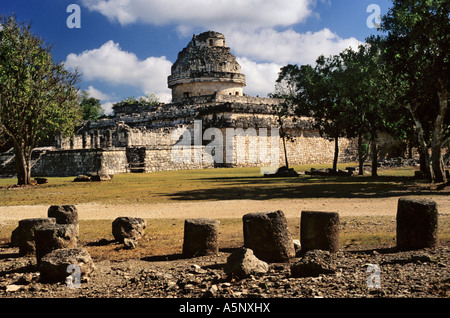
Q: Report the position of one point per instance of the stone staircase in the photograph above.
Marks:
(8, 161)
(136, 159)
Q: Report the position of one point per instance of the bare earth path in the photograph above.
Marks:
(223, 209)
(412, 274)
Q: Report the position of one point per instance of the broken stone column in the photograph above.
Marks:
(64, 214)
(242, 263)
(131, 228)
(25, 234)
(319, 230)
(267, 234)
(57, 265)
(314, 263)
(201, 237)
(54, 236)
(417, 223)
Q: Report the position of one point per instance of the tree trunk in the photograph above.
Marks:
(361, 156)
(436, 143)
(285, 152)
(410, 148)
(22, 166)
(425, 163)
(336, 153)
(374, 151)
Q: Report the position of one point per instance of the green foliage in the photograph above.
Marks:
(90, 107)
(38, 97)
(150, 99)
(326, 93)
(397, 83)
(416, 47)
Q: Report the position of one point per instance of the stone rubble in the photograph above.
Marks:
(406, 274)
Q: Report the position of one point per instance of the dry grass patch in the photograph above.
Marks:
(212, 185)
(163, 239)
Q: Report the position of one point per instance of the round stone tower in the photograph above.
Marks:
(206, 66)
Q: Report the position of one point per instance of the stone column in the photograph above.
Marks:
(125, 227)
(56, 265)
(64, 214)
(54, 236)
(200, 237)
(319, 231)
(267, 234)
(26, 234)
(417, 223)
(110, 138)
(85, 140)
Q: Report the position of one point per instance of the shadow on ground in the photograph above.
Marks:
(260, 188)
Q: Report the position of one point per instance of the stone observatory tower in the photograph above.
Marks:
(205, 67)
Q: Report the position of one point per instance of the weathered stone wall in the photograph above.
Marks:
(63, 163)
(254, 150)
(205, 87)
(168, 158)
(254, 147)
(205, 66)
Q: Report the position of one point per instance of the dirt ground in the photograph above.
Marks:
(416, 274)
(224, 209)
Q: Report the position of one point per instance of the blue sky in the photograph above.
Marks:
(126, 47)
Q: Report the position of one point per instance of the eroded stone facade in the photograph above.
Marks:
(206, 66)
(207, 86)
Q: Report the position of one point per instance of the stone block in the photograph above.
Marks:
(319, 230)
(64, 214)
(242, 263)
(314, 263)
(54, 236)
(25, 235)
(200, 237)
(57, 265)
(417, 223)
(128, 227)
(267, 234)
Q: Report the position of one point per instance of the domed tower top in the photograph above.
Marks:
(206, 66)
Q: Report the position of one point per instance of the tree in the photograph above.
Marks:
(316, 92)
(417, 41)
(37, 95)
(364, 91)
(91, 107)
(283, 111)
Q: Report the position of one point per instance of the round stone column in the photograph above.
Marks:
(125, 227)
(26, 234)
(54, 236)
(417, 223)
(267, 234)
(201, 237)
(319, 231)
(64, 214)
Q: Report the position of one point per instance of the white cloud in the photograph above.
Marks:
(106, 100)
(95, 93)
(107, 107)
(259, 32)
(114, 66)
(262, 53)
(259, 77)
(195, 13)
(288, 46)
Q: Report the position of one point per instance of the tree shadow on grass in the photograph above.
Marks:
(260, 188)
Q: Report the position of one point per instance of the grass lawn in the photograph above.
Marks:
(209, 184)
